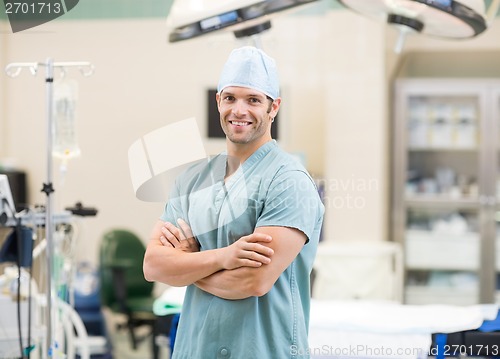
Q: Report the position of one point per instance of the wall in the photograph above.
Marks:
(356, 117)
(142, 83)
(334, 67)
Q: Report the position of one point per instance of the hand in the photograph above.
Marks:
(182, 238)
(247, 252)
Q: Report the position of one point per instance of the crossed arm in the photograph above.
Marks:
(248, 267)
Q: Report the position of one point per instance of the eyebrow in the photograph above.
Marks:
(258, 95)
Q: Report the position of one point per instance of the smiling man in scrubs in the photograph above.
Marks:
(241, 231)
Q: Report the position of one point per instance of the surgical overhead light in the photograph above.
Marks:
(192, 18)
(455, 19)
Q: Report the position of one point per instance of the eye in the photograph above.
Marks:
(228, 98)
(254, 100)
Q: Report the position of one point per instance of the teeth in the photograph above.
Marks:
(239, 123)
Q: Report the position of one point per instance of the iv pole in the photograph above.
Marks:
(13, 70)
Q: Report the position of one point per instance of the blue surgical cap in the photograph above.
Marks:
(250, 67)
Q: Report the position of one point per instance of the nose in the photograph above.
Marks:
(239, 108)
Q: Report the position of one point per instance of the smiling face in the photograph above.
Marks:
(246, 116)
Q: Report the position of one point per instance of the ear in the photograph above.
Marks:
(217, 98)
(275, 107)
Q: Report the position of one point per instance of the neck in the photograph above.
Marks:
(242, 151)
(239, 153)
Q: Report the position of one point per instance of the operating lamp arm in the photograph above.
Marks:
(492, 11)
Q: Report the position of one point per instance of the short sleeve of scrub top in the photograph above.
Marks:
(292, 202)
(173, 208)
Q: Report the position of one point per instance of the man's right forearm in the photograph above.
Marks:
(167, 261)
(177, 268)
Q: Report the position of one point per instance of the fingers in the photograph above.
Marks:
(180, 238)
(172, 234)
(250, 263)
(259, 258)
(251, 243)
(257, 237)
(165, 242)
(244, 258)
(257, 252)
(185, 228)
(248, 251)
(175, 231)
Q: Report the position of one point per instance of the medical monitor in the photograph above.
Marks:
(7, 208)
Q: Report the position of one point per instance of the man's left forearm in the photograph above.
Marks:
(247, 282)
(231, 284)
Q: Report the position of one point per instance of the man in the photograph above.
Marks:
(241, 231)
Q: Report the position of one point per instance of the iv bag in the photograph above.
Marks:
(65, 144)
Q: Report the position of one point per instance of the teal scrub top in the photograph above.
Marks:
(271, 188)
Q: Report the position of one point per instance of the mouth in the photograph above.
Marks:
(240, 123)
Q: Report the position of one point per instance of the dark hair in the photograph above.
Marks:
(270, 105)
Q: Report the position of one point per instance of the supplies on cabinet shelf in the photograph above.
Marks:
(439, 278)
(452, 279)
(442, 125)
(466, 126)
(454, 224)
(441, 119)
(450, 287)
(446, 181)
(442, 240)
(442, 223)
(447, 145)
(418, 125)
(440, 251)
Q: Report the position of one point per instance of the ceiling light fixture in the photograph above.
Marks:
(192, 18)
(454, 19)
